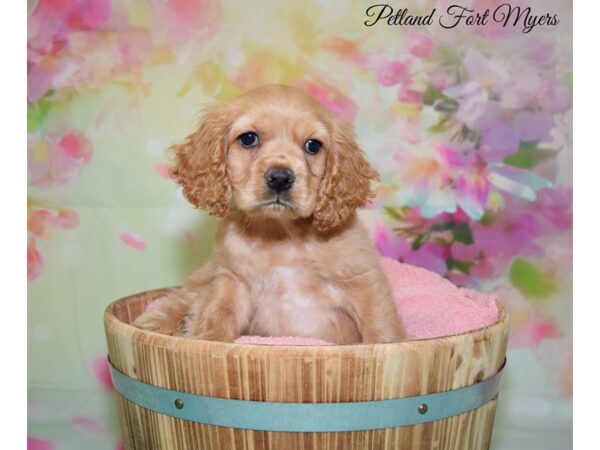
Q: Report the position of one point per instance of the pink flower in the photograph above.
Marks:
(164, 170)
(483, 73)
(333, 99)
(57, 159)
(407, 95)
(101, 370)
(429, 256)
(460, 217)
(508, 236)
(503, 132)
(87, 424)
(472, 192)
(35, 261)
(185, 21)
(482, 266)
(508, 103)
(88, 14)
(346, 49)
(495, 30)
(39, 444)
(76, 147)
(77, 14)
(392, 73)
(132, 48)
(469, 177)
(51, 26)
(533, 331)
(40, 219)
(556, 205)
(68, 48)
(133, 240)
(519, 228)
(421, 45)
(390, 246)
(554, 97)
(52, 20)
(39, 80)
(192, 13)
(36, 222)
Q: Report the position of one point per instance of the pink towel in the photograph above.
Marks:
(431, 306)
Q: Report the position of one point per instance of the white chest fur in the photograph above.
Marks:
(289, 296)
(293, 301)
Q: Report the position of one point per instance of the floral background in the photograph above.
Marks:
(471, 129)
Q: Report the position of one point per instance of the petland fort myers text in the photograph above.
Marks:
(505, 15)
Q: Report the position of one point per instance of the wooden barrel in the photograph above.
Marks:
(242, 378)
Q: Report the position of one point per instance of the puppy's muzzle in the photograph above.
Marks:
(279, 180)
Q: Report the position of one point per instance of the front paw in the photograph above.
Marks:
(155, 321)
(162, 316)
(209, 330)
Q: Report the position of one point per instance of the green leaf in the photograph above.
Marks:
(419, 241)
(461, 232)
(393, 213)
(488, 217)
(37, 113)
(471, 135)
(441, 241)
(569, 80)
(441, 125)
(448, 106)
(430, 95)
(459, 265)
(530, 281)
(441, 226)
(524, 156)
(529, 155)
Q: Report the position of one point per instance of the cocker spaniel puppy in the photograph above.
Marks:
(291, 258)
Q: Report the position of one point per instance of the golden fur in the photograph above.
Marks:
(304, 267)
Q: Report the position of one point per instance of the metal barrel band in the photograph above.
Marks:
(307, 417)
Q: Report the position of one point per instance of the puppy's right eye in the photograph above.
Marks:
(248, 140)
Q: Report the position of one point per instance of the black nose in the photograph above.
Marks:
(279, 179)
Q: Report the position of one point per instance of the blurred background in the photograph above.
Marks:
(470, 128)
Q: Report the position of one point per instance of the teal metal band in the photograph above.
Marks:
(306, 417)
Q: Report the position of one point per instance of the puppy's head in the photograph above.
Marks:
(275, 152)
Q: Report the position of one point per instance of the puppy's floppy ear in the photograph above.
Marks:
(346, 183)
(201, 165)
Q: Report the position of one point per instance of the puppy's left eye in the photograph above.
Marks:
(312, 146)
(248, 140)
